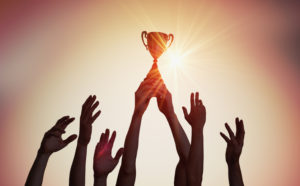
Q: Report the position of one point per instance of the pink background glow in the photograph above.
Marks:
(243, 58)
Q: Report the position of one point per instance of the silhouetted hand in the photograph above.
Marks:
(52, 141)
(143, 95)
(164, 100)
(235, 142)
(87, 118)
(197, 116)
(104, 163)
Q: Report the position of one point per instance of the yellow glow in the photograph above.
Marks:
(175, 58)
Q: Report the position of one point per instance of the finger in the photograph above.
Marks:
(112, 138)
(161, 93)
(106, 136)
(95, 116)
(56, 129)
(101, 137)
(84, 106)
(90, 103)
(192, 101)
(147, 82)
(148, 92)
(64, 124)
(119, 154)
(197, 98)
(231, 134)
(70, 139)
(62, 119)
(225, 137)
(240, 131)
(57, 132)
(87, 101)
(54, 134)
(92, 108)
(185, 112)
(101, 142)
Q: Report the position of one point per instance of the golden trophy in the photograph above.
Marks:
(156, 44)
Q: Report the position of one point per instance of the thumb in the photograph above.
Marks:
(185, 113)
(70, 139)
(119, 154)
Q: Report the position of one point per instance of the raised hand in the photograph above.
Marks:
(87, 118)
(197, 116)
(143, 95)
(77, 173)
(52, 141)
(164, 100)
(234, 142)
(127, 172)
(165, 105)
(104, 163)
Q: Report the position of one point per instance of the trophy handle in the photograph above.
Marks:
(144, 33)
(171, 36)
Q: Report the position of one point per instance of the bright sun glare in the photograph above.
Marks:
(175, 59)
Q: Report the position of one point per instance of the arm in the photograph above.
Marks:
(233, 152)
(52, 142)
(127, 171)
(165, 105)
(104, 163)
(77, 173)
(196, 118)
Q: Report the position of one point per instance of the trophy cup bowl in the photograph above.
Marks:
(157, 43)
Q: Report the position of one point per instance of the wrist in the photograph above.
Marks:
(44, 155)
(234, 164)
(170, 115)
(81, 144)
(137, 114)
(100, 179)
(197, 129)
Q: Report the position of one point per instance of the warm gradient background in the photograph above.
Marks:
(243, 58)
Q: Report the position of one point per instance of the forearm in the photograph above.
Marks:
(36, 174)
(127, 171)
(100, 181)
(195, 161)
(181, 141)
(235, 175)
(77, 173)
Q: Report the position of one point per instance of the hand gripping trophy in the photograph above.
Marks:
(156, 44)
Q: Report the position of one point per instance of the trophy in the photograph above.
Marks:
(156, 44)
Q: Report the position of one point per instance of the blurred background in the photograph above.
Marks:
(242, 56)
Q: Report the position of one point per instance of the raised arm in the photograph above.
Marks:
(196, 118)
(127, 171)
(233, 152)
(104, 163)
(165, 105)
(52, 142)
(77, 173)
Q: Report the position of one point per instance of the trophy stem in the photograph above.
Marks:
(155, 60)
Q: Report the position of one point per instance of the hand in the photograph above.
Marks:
(143, 95)
(164, 101)
(104, 163)
(52, 141)
(197, 116)
(235, 143)
(87, 118)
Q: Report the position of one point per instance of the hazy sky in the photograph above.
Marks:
(243, 58)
